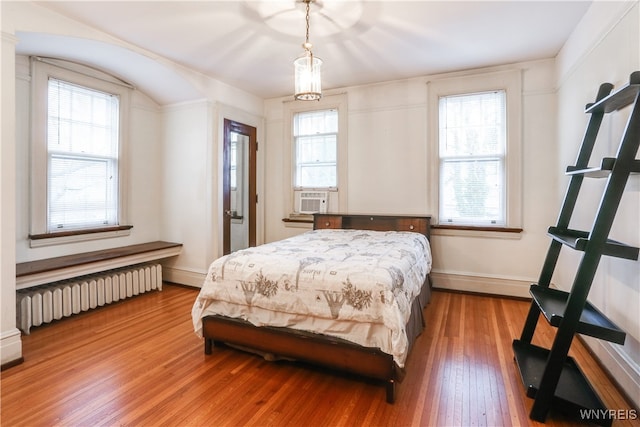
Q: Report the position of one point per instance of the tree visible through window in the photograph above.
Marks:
(82, 152)
(316, 135)
(472, 150)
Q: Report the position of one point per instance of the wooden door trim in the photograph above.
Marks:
(250, 131)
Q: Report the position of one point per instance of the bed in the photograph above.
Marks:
(348, 295)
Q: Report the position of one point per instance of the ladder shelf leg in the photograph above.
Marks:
(544, 280)
(566, 330)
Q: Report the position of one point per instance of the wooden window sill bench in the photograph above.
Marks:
(34, 273)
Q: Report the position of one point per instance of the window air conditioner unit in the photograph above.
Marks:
(312, 201)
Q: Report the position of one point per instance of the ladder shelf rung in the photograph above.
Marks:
(552, 303)
(573, 393)
(578, 240)
(619, 99)
(602, 171)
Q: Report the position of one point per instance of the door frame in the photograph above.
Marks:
(250, 131)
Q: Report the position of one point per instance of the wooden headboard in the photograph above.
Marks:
(418, 224)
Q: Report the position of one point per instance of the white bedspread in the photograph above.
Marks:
(356, 285)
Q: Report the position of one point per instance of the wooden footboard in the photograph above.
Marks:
(303, 346)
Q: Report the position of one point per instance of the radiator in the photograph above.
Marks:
(46, 303)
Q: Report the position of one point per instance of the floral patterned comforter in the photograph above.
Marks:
(356, 285)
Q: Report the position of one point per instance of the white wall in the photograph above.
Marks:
(389, 169)
(10, 344)
(188, 181)
(192, 202)
(172, 158)
(605, 47)
(141, 163)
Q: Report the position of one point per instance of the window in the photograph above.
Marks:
(472, 146)
(316, 136)
(82, 151)
(476, 150)
(79, 117)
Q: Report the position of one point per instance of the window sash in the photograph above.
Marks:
(315, 122)
(81, 192)
(316, 149)
(82, 153)
(472, 191)
(472, 150)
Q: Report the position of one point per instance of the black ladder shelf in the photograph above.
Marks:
(550, 376)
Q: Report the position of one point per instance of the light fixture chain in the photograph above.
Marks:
(307, 18)
(307, 67)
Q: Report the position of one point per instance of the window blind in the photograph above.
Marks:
(82, 151)
(316, 147)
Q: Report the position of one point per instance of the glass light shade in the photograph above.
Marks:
(307, 77)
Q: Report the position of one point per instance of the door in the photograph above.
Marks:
(239, 186)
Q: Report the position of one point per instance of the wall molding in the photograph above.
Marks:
(183, 277)
(622, 370)
(11, 347)
(480, 284)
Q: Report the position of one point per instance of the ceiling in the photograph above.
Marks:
(251, 44)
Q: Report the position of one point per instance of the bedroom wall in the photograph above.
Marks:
(142, 162)
(173, 154)
(187, 182)
(605, 47)
(159, 135)
(10, 344)
(192, 203)
(389, 166)
(142, 156)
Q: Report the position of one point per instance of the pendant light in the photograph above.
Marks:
(307, 70)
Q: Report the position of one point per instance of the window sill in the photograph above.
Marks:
(298, 222)
(471, 231)
(62, 237)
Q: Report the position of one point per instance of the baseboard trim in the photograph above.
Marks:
(481, 285)
(623, 372)
(11, 348)
(183, 277)
(11, 364)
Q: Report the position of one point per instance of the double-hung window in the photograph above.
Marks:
(82, 152)
(79, 118)
(472, 148)
(316, 149)
(316, 135)
(476, 136)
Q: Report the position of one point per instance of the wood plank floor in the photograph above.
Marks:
(138, 363)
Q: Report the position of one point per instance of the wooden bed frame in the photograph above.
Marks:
(318, 349)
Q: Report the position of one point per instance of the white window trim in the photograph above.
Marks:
(511, 82)
(41, 71)
(338, 196)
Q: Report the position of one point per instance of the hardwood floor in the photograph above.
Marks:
(138, 363)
